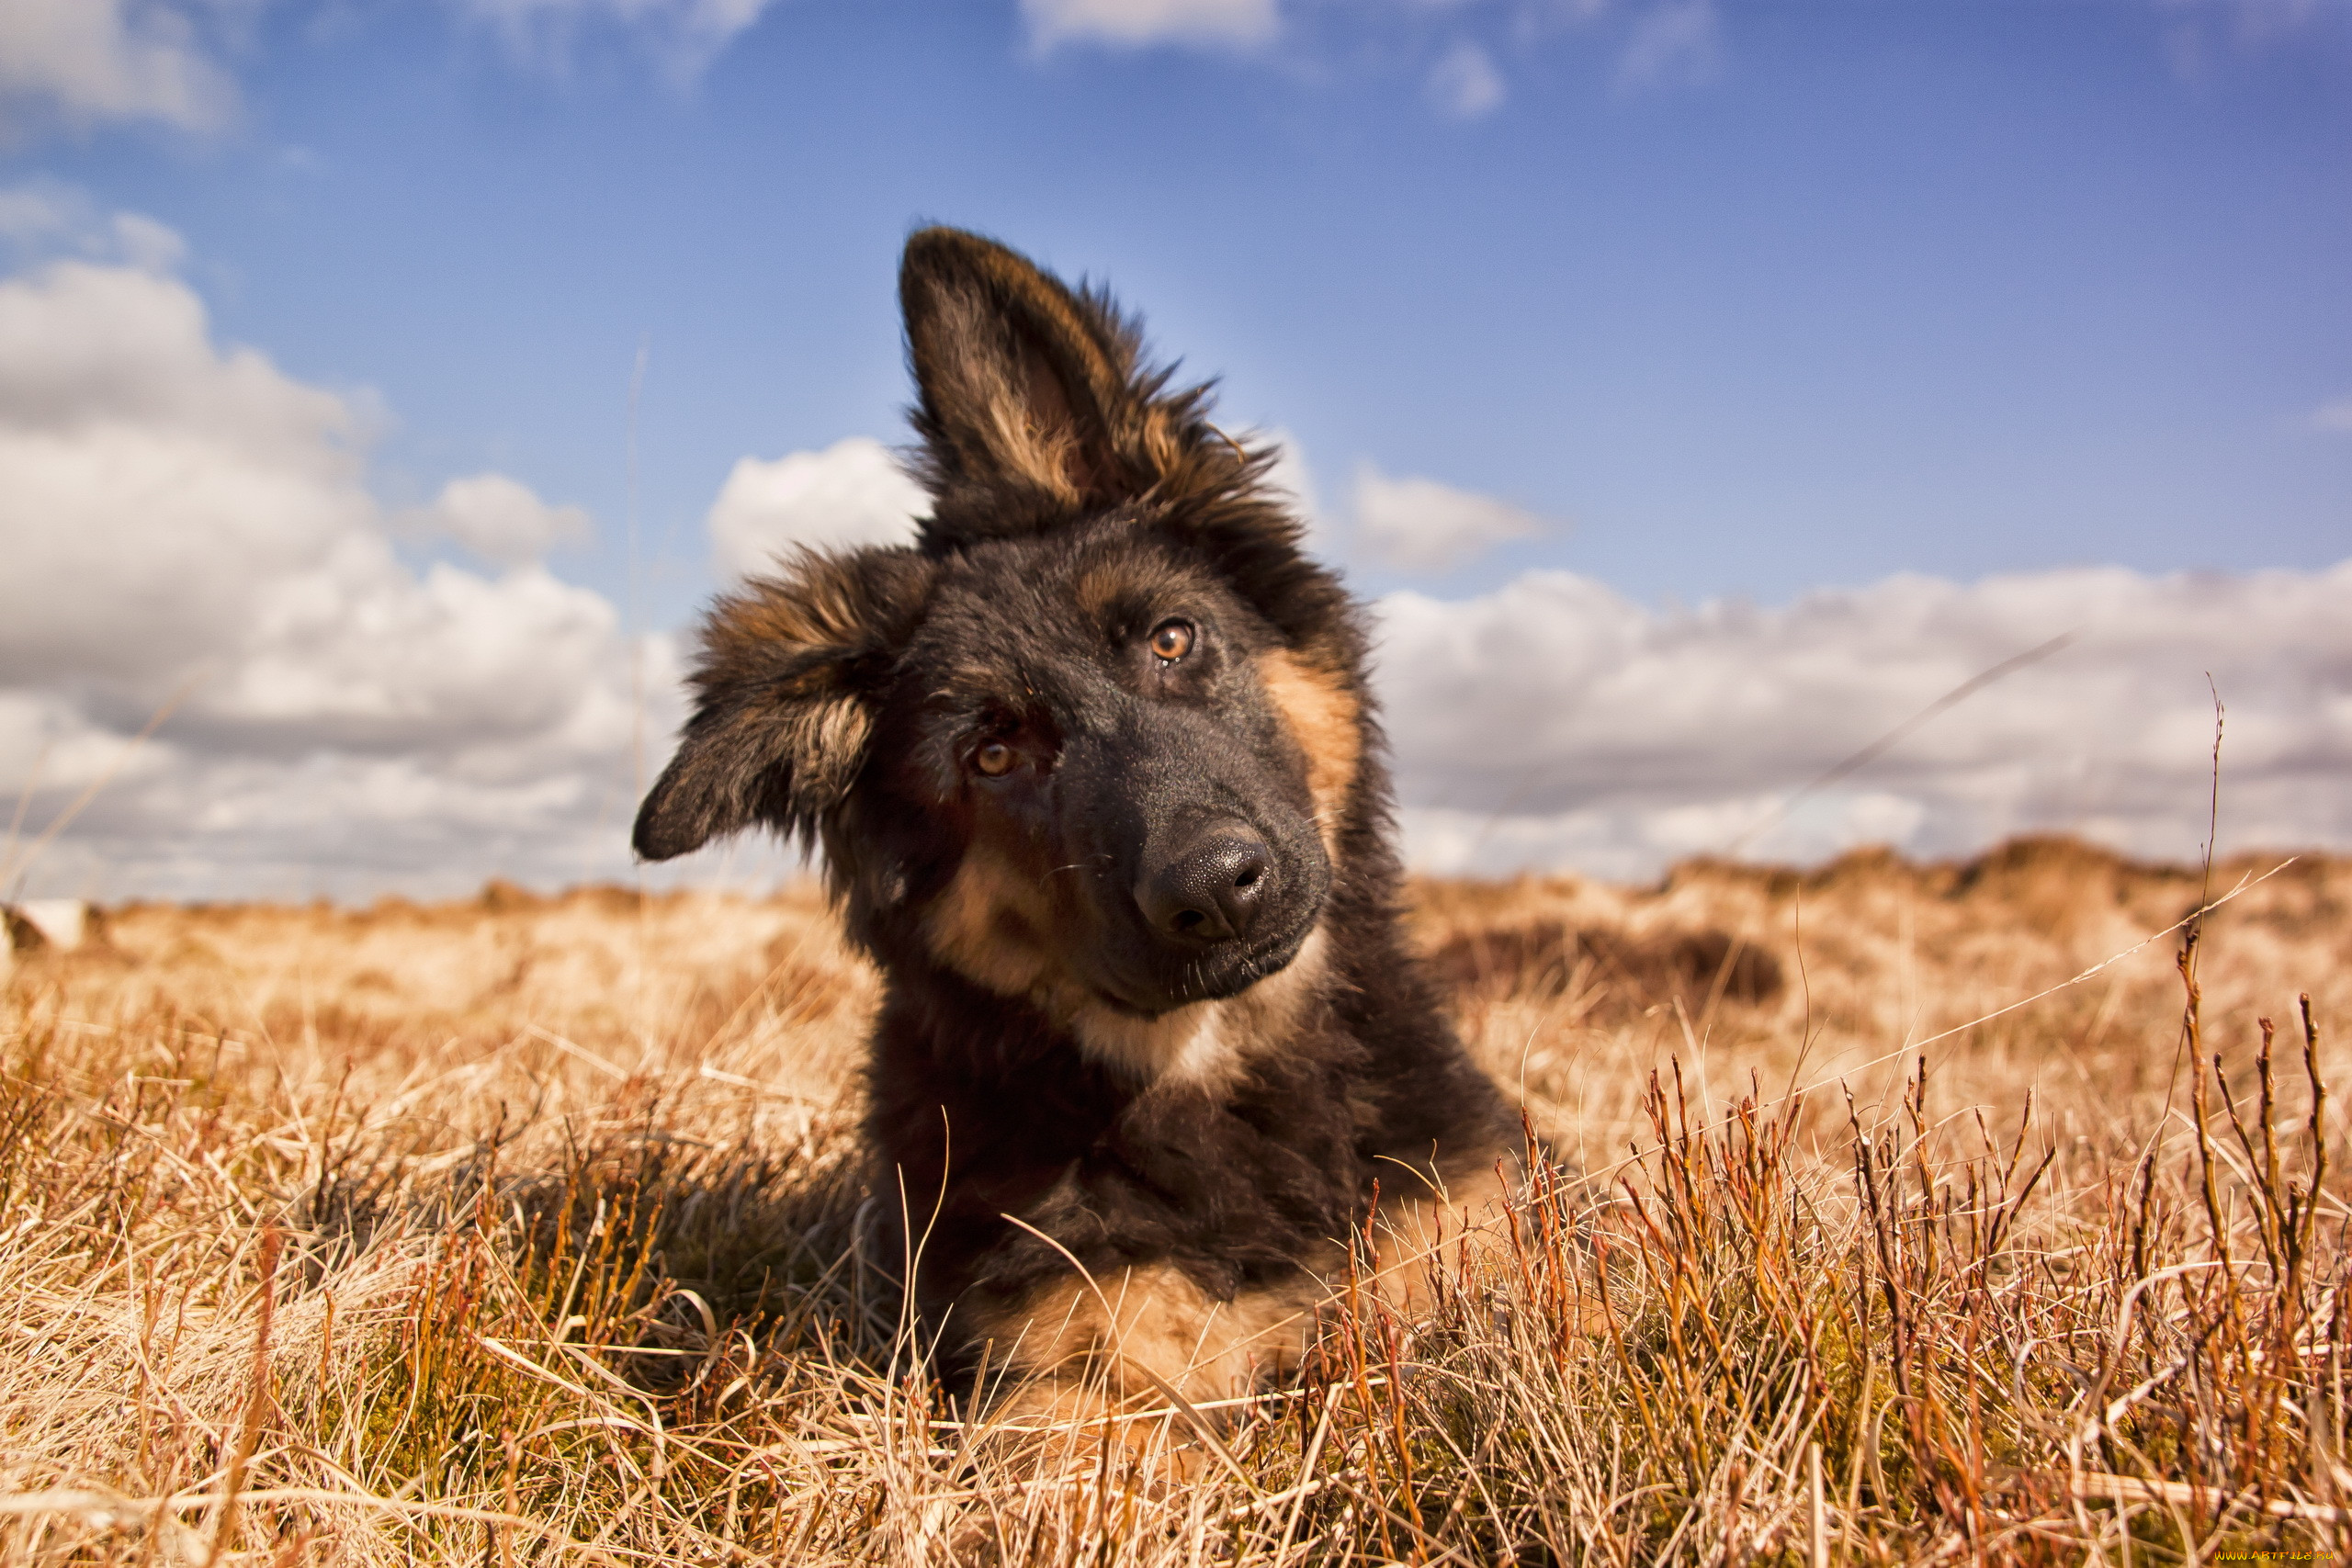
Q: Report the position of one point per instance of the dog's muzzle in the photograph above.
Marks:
(1212, 888)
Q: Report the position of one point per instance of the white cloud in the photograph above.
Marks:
(181, 519)
(44, 219)
(1294, 483)
(498, 520)
(1633, 843)
(81, 62)
(2335, 416)
(1553, 721)
(35, 215)
(183, 522)
(146, 473)
(142, 243)
(1675, 42)
(1133, 23)
(1464, 83)
(1421, 525)
(85, 62)
(688, 34)
(851, 493)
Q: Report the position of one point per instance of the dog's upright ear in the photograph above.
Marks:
(1022, 390)
(1036, 410)
(784, 689)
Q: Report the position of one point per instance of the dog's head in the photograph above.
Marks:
(1094, 739)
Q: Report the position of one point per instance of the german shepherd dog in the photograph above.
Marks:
(1099, 786)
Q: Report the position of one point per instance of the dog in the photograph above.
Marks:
(1096, 776)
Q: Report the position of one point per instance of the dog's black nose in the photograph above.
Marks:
(1211, 889)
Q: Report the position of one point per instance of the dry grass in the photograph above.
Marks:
(528, 1230)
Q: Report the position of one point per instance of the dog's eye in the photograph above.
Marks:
(1172, 639)
(994, 758)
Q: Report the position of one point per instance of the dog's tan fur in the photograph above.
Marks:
(997, 921)
(995, 926)
(1327, 720)
(1086, 1346)
(1028, 400)
(1042, 1002)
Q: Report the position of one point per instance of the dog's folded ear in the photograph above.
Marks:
(783, 691)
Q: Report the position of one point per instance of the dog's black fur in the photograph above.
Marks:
(1098, 783)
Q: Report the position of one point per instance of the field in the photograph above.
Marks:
(531, 1230)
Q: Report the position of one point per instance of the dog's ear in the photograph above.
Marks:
(1028, 404)
(1036, 410)
(783, 691)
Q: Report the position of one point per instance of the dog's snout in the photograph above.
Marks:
(1211, 888)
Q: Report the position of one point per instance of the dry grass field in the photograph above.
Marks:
(524, 1230)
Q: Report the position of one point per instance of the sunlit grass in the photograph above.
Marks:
(528, 1231)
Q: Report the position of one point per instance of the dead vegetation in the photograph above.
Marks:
(530, 1230)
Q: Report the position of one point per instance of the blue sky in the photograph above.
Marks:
(1738, 300)
(1838, 289)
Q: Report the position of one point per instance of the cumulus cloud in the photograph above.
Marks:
(851, 493)
(1555, 721)
(1134, 23)
(86, 62)
(498, 520)
(33, 215)
(1464, 83)
(188, 528)
(1417, 525)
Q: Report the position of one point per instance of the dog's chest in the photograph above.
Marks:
(1256, 1172)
